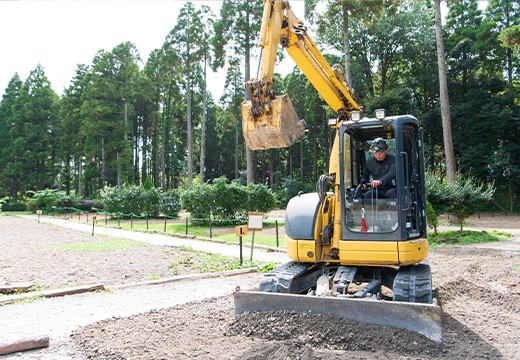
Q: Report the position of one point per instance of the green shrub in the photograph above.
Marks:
(291, 188)
(431, 216)
(87, 205)
(226, 201)
(230, 200)
(198, 201)
(45, 199)
(462, 198)
(152, 198)
(135, 199)
(260, 198)
(170, 203)
(125, 199)
(14, 207)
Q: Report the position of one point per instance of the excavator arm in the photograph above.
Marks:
(270, 121)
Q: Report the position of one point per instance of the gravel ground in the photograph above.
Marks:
(479, 290)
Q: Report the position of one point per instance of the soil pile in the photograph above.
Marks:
(477, 288)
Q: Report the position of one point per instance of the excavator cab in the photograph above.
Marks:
(400, 215)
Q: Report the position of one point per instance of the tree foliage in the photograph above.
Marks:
(461, 198)
(124, 122)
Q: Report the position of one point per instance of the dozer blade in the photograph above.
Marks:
(424, 319)
(279, 128)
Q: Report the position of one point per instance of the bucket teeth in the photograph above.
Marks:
(278, 128)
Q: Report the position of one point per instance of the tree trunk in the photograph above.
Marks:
(250, 156)
(80, 177)
(68, 174)
(104, 162)
(203, 127)
(118, 161)
(445, 103)
(190, 133)
(144, 167)
(163, 142)
(301, 161)
(346, 42)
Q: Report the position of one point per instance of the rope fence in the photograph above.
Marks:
(109, 217)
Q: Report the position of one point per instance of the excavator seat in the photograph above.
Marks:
(278, 128)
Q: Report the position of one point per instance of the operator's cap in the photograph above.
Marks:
(379, 145)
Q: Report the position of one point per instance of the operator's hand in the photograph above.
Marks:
(361, 186)
(375, 183)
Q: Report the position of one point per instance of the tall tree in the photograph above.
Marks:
(187, 39)
(108, 107)
(71, 139)
(33, 135)
(504, 16)
(449, 153)
(208, 33)
(7, 119)
(231, 99)
(237, 32)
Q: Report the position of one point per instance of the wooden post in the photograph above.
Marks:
(277, 241)
(252, 245)
(23, 344)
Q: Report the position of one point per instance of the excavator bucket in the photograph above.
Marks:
(424, 319)
(277, 129)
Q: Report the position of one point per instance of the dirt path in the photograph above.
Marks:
(479, 290)
(59, 317)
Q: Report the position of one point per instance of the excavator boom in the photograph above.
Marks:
(270, 121)
(356, 256)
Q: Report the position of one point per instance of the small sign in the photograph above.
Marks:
(241, 230)
(39, 212)
(255, 221)
(94, 218)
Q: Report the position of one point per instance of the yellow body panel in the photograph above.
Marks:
(411, 252)
(369, 253)
(291, 247)
(362, 253)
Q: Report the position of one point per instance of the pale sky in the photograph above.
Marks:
(61, 34)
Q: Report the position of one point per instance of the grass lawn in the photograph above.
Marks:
(265, 237)
(466, 237)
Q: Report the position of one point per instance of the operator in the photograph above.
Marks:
(382, 170)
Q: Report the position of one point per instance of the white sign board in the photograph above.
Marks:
(255, 221)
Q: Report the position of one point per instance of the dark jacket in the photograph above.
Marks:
(380, 170)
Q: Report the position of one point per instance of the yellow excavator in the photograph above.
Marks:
(355, 254)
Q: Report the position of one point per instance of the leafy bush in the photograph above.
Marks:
(45, 199)
(291, 188)
(198, 201)
(431, 216)
(87, 205)
(125, 199)
(170, 203)
(462, 198)
(226, 201)
(13, 207)
(152, 198)
(135, 199)
(230, 200)
(261, 199)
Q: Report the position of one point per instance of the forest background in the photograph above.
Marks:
(120, 123)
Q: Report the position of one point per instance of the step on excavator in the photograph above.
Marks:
(356, 254)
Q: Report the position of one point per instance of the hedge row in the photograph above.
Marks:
(222, 200)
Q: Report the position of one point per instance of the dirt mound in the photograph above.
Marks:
(478, 290)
